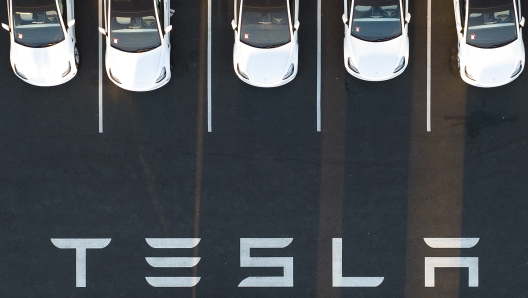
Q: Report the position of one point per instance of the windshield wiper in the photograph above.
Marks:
(276, 45)
(24, 44)
(146, 49)
(384, 39)
(48, 45)
(502, 44)
(244, 42)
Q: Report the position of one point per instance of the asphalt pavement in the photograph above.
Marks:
(373, 176)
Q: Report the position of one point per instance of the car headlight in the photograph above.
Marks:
(19, 73)
(242, 73)
(401, 65)
(67, 71)
(162, 75)
(112, 76)
(468, 75)
(290, 72)
(352, 66)
(517, 70)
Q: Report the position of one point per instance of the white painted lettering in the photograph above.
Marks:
(453, 262)
(337, 270)
(172, 262)
(246, 244)
(80, 246)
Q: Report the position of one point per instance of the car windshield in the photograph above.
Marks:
(491, 27)
(265, 26)
(133, 26)
(36, 26)
(374, 20)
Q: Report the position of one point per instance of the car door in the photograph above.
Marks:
(347, 14)
(106, 15)
(164, 13)
(9, 13)
(167, 15)
(237, 15)
(67, 14)
(294, 11)
(520, 18)
(163, 9)
(460, 17)
(106, 25)
(405, 12)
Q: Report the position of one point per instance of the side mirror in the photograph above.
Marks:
(344, 18)
(234, 24)
(459, 28)
(71, 23)
(6, 27)
(103, 31)
(296, 25)
(168, 29)
(521, 22)
(407, 18)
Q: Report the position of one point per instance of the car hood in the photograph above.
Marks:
(265, 65)
(135, 69)
(377, 59)
(41, 64)
(493, 65)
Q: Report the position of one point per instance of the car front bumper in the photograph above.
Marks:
(49, 83)
(477, 83)
(142, 88)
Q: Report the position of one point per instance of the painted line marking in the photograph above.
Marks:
(428, 65)
(100, 68)
(209, 35)
(319, 65)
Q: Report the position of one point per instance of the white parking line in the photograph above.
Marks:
(428, 65)
(319, 65)
(209, 105)
(100, 68)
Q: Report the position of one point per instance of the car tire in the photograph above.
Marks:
(77, 57)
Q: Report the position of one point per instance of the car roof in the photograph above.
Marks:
(489, 3)
(33, 3)
(132, 5)
(265, 3)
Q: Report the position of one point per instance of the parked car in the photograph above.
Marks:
(137, 43)
(43, 44)
(266, 48)
(376, 43)
(490, 44)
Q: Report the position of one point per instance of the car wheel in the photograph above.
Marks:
(77, 57)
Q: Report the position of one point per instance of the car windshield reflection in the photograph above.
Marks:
(265, 27)
(491, 27)
(37, 26)
(376, 20)
(133, 26)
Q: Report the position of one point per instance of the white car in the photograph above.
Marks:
(490, 44)
(266, 47)
(138, 43)
(42, 34)
(376, 43)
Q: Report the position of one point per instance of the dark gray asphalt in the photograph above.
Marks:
(373, 176)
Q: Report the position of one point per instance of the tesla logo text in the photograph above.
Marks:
(81, 247)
